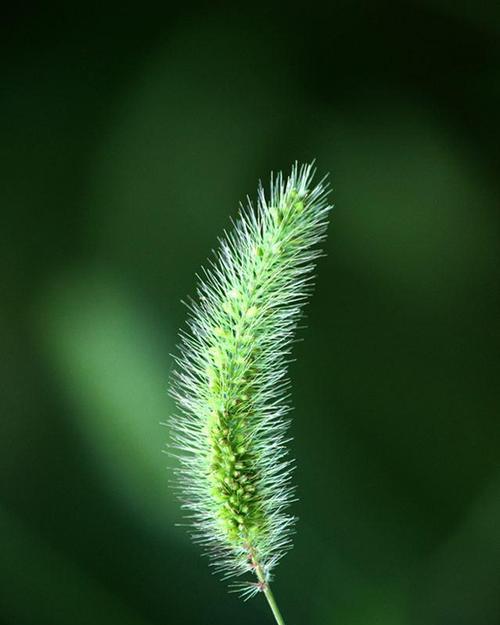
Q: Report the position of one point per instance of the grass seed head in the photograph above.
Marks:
(230, 382)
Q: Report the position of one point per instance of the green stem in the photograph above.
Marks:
(269, 596)
(273, 605)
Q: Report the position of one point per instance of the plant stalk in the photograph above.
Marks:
(273, 605)
(270, 597)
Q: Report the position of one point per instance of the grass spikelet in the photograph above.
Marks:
(230, 381)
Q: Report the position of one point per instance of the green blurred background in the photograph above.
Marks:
(128, 137)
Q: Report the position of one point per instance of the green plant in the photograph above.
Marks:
(231, 385)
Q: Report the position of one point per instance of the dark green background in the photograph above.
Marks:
(128, 137)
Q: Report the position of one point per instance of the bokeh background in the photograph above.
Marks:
(128, 137)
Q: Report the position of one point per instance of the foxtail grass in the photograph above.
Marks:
(231, 384)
